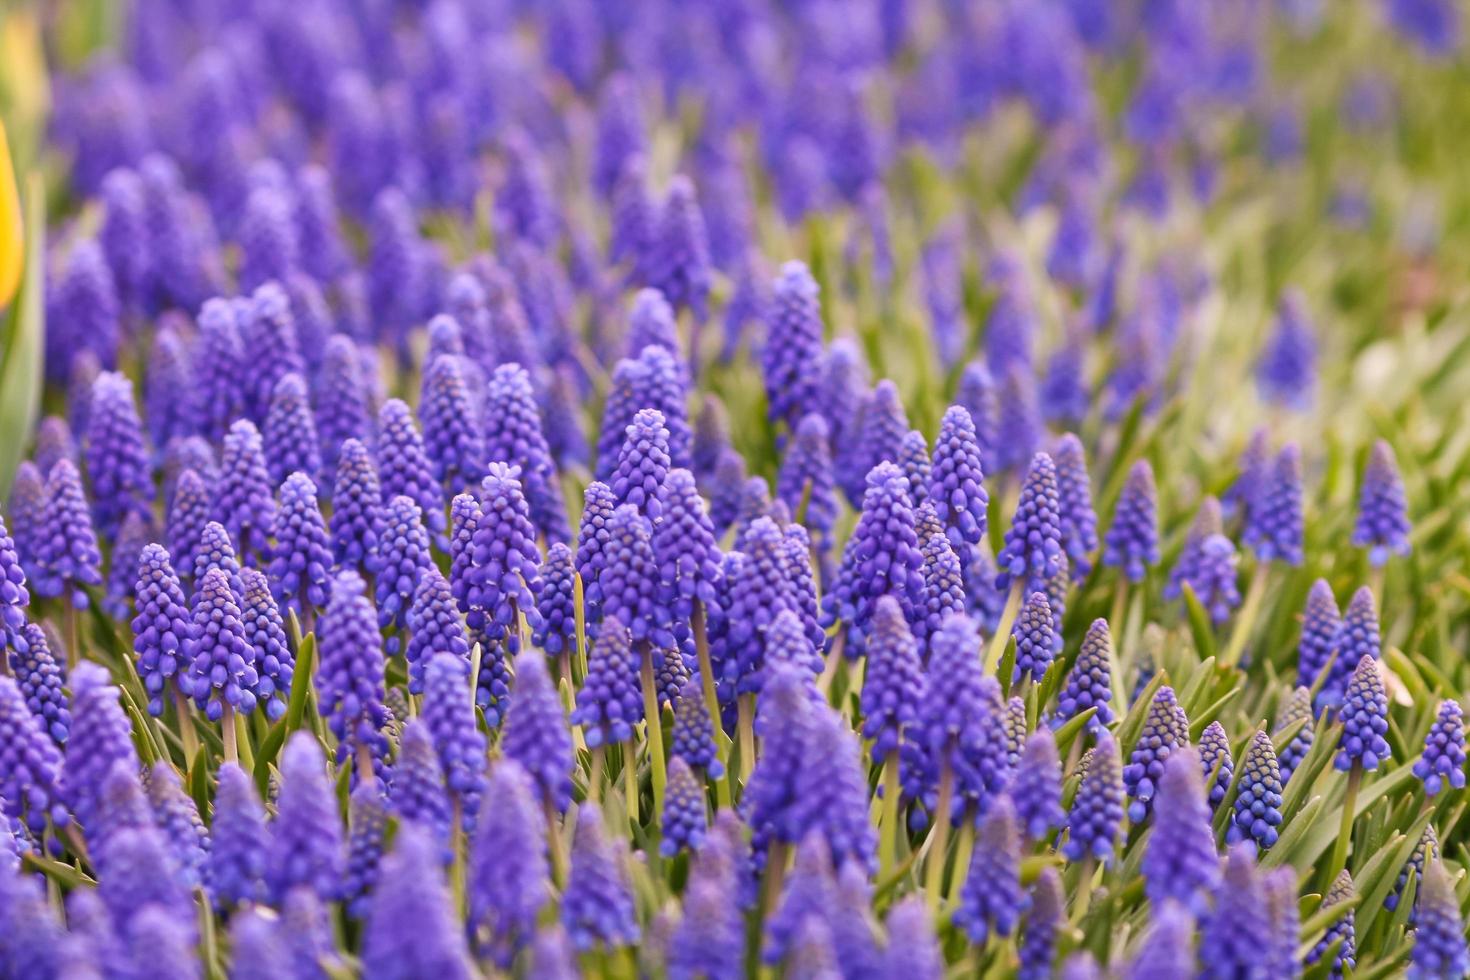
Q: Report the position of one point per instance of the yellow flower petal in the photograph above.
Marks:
(12, 228)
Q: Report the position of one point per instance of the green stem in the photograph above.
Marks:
(745, 728)
(594, 778)
(1003, 629)
(1249, 612)
(630, 784)
(964, 849)
(187, 734)
(654, 724)
(1345, 829)
(554, 844)
(1084, 890)
(939, 838)
(699, 626)
(888, 828)
(227, 723)
(1119, 613)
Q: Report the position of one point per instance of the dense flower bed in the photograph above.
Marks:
(848, 488)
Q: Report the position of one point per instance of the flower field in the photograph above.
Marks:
(850, 489)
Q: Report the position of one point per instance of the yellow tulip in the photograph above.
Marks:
(12, 228)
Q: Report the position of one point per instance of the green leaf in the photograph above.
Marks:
(24, 341)
(1200, 625)
(58, 871)
(1068, 732)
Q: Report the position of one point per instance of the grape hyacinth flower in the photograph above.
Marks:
(831, 792)
(42, 681)
(1036, 785)
(609, 702)
(434, 626)
(1207, 523)
(242, 493)
(1273, 527)
(1168, 946)
(944, 584)
(275, 664)
(1131, 542)
(597, 906)
(593, 535)
(1235, 939)
(508, 877)
(289, 431)
(1298, 709)
(629, 584)
(693, 739)
(401, 559)
(1426, 849)
(215, 552)
(1097, 809)
(1044, 920)
(501, 579)
(1035, 639)
(1439, 933)
(1341, 931)
(221, 677)
(881, 558)
(1179, 862)
(643, 463)
(992, 899)
(913, 458)
(99, 740)
(1216, 764)
(709, 940)
(1357, 637)
(162, 628)
(556, 604)
(684, 547)
(306, 847)
(417, 793)
(403, 463)
(452, 438)
(188, 514)
(893, 683)
(449, 715)
(30, 764)
(684, 820)
(67, 557)
(791, 359)
(357, 504)
(237, 862)
(1089, 683)
(1254, 469)
(119, 466)
(1383, 523)
(1258, 795)
(1165, 732)
(302, 557)
(1364, 715)
(513, 434)
(411, 929)
(1443, 760)
(536, 734)
(350, 671)
(1213, 580)
(678, 261)
(956, 486)
(807, 897)
(1033, 541)
(178, 818)
(806, 478)
(366, 835)
(1287, 371)
(1321, 625)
